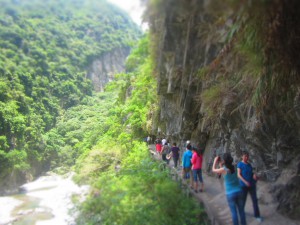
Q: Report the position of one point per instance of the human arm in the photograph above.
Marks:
(214, 167)
(162, 149)
(255, 177)
(239, 170)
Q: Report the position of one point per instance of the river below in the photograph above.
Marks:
(47, 200)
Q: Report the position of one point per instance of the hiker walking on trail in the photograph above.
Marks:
(175, 154)
(248, 183)
(197, 160)
(233, 189)
(148, 140)
(187, 164)
(165, 150)
(158, 146)
(163, 141)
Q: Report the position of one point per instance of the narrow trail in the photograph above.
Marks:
(214, 200)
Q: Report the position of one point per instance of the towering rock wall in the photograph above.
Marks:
(228, 80)
(102, 70)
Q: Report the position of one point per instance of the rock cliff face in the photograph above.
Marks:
(102, 70)
(228, 80)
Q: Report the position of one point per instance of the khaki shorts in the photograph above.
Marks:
(187, 169)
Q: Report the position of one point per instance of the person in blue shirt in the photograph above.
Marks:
(233, 189)
(248, 183)
(187, 165)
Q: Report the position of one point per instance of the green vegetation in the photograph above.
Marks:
(50, 118)
(102, 139)
(45, 50)
(140, 193)
(128, 186)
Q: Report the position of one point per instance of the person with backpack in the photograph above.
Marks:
(233, 189)
(165, 150)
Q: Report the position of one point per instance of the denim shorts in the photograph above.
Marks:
(198, 173)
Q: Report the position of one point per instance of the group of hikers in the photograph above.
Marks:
(238, 180)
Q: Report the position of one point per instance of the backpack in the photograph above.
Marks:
(165, 149)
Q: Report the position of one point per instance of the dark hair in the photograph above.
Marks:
(174, 143)
(245, 152)
(198, 151)
(189, 147)
(228, 162)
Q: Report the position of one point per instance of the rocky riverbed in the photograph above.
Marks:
(47, 200)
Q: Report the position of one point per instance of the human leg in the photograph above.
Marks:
(253, 195)
(195, 180)
(188, 174)
(241, 208)
(175, 159)
(244, 195)
(201, 179)
(191, 176)
(232, 199)
(163, 157)
(183, 173)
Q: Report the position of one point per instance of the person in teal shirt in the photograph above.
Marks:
(233, 189)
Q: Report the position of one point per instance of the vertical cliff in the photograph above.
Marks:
(228, 80)
(103, 69)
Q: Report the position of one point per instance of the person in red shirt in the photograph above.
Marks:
(197, 168)
(158, 146)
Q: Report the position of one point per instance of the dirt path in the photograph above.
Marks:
(214, 200)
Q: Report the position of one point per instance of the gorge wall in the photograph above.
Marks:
(103, 69)
(228, 80)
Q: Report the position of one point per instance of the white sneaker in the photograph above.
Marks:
(259, 219)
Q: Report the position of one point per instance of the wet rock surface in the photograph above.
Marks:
(186, 39)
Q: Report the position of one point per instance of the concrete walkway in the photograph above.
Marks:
(214, 200)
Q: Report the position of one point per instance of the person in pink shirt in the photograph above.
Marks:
(197, 168)
(158, 146)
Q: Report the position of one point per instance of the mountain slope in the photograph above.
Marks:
(46, 51)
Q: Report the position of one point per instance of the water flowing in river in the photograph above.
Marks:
(45, 201)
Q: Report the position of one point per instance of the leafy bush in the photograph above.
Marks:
(140, 193)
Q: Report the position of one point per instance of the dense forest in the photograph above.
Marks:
(46, 47)
(52, 119)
